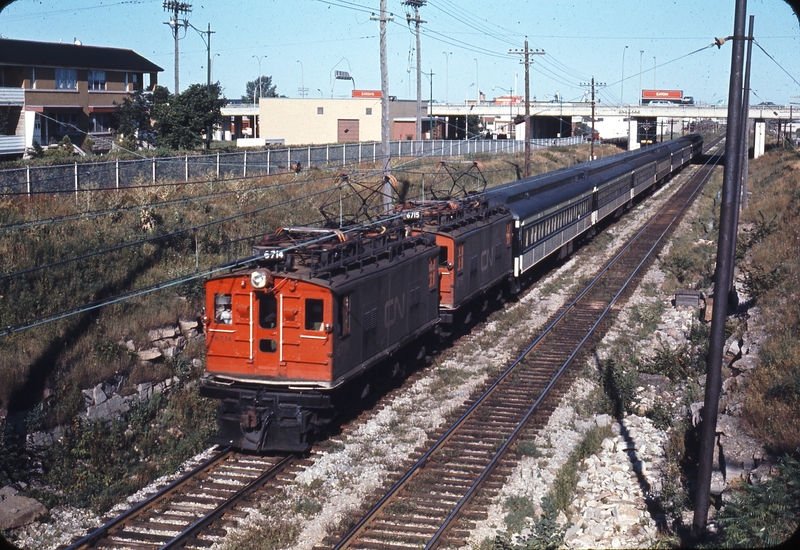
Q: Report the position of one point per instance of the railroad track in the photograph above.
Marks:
(450, 483)
(198, 505)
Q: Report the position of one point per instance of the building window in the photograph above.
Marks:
(97, 80)
(369, 110)
(320, 111)
(66, 79)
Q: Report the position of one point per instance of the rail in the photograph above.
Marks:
(583, 323)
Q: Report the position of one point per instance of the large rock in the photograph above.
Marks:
(17, 510)
(150, 354)
(161, 333)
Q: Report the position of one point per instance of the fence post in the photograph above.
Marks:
(154, 170)
(76, 182)
(186, 168)
(28, 178)
(327, 154)
(309, 157)
(217, 164)
(359, 152)
(344, 154)
(268, 162)
(116, 172)
(245, 165)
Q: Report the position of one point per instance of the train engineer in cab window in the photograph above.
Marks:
(222, 309)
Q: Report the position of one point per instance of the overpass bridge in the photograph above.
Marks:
(554, 119)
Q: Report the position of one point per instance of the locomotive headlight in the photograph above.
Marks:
(259, 279)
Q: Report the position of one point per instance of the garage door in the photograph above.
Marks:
(347, 130)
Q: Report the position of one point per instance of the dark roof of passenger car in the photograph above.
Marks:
(29, 53)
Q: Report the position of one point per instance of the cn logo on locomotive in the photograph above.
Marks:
(394, 309)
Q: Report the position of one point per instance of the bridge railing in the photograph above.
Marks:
(119, 174)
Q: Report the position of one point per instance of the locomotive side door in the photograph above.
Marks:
(267, 333)
(304, 332)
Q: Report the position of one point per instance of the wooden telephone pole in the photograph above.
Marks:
(591, 148)
(526, 61)
(385, 123)
(417, 4)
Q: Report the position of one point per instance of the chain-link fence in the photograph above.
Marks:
(215, 166)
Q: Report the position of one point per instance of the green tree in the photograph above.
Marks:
(183, 118)
(267, 89)
(134, 118)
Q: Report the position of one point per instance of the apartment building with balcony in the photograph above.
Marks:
(50, 90)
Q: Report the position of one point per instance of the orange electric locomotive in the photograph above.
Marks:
(308, 329)
(294, 339)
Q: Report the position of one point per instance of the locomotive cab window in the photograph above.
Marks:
(222, 309)
(314, 314)
(267, 310)
(444, 253)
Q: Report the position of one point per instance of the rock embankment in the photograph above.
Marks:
(103, 402)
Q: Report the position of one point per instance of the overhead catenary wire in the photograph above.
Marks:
(161, 285)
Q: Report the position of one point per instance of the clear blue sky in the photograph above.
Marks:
(463, 41)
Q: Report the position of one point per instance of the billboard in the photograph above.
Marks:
(366, 93)
(662, 94)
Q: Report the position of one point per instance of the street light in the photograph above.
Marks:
(477, 88)
(341, 75)
(446, 74)
(640, 76)
(510, 109)
(622, 82)
(258, 58)
(302, 78)
(212, 65)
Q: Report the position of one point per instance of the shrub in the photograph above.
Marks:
(763, 515)
(519, 508)
(677, 364)
(619, 384)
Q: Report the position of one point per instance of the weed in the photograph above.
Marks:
(619, 384)
(661, 416)
(307, 506)
(519, 508)
(528, 448)
(763, 515)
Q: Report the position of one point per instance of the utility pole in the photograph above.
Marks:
(385, 127)
(177, 8)
(526, 61)
(209, 32)
(416, 4)
(591, 148)
(430, 102)
(722, 279)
